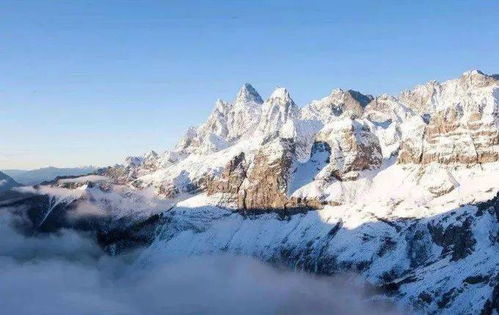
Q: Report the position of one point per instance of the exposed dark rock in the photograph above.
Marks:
(477, 279)
(426, 297)
(456, 240)
(447, 297)
(492, 304)
(122, 239)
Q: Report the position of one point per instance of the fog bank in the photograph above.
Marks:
(68, 274)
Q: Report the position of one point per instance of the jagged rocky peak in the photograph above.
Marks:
(280, 96)
(473, 74)
(186, 140)
(244, 116)
(217, 122)
(339, 103)
(133, 161)
(351, 97)
(434, 96)
(276, 111)
(221, 107)
(226, 124)
(281, 99)
(248, 94)
(211, 136)
(477, 78)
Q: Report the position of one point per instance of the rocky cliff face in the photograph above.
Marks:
(462, 121)
(353, 148)
(399, 189)
(267, 178)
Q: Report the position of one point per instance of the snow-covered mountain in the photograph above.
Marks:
(402, 190)
(453, 124)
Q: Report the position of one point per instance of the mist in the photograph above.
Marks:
(67, 273)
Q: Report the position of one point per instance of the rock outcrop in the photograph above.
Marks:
(267, 178)
(353, 148)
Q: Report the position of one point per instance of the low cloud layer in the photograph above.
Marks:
(68, 274)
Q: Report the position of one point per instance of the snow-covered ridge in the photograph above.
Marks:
(453, 123)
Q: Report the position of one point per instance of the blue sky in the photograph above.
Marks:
(91, 81)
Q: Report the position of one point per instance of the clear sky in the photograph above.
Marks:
(91, 81)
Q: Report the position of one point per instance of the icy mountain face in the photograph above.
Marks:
(227, 124)
(402, 190)
(277, 111)
(211, 136)
(245, 114)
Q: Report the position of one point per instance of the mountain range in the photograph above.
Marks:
(36, 176)
(402, 190)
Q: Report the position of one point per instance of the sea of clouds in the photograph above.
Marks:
(67, 273)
